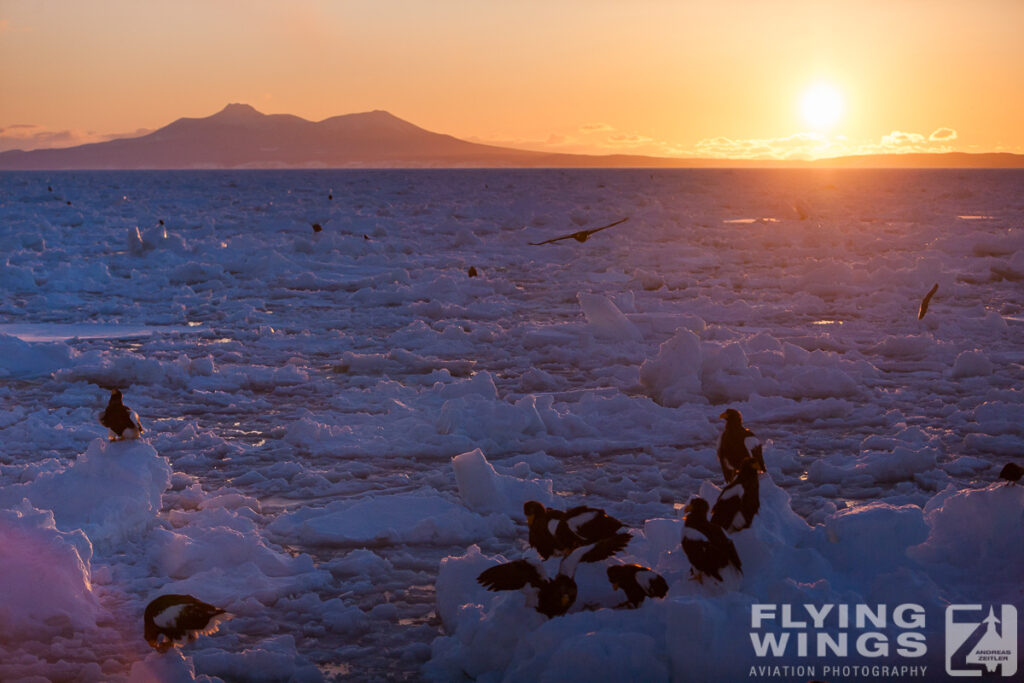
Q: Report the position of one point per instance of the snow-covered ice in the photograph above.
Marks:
(342, 426)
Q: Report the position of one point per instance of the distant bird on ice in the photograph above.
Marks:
(122, 422)
(801, 210)
(1012, 473)
(581, 235)
(551, 597)
(317, 227)
(170, 618)
(926, 300)
(637, 583)
(472, 271)
(705, 543)
(736, 445)
(740, 499)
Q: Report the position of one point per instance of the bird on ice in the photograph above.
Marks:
(554, 532)
(706, 546)
(740, 500)
(927, 300)
(170, 618)
(637, 582)
(582, 525)
(736, 445)
(122, 422)
(580, 235)
(1012, 473)
(542, 522)
(554, 596)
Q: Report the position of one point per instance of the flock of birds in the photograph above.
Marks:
(586, 534)
(579, 535)
(580, 236)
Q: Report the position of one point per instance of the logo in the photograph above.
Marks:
(980, 642)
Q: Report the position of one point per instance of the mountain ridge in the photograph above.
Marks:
(240, 136)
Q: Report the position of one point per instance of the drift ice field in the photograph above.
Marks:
(341, 426)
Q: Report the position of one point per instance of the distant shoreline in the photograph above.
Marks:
(470, 169)
(241, 138)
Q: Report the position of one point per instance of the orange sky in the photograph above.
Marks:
(665, 77)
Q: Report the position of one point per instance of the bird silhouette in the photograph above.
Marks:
(740, 499)
(581, 235)
(637, 582)
(705, 543)
(122, 422)
(554, 532)
(926, 300)
(736, 445)
(173, 617)
(1012, 473)
(582, 525)
(553, 596)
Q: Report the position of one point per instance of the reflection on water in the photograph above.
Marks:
(339, 669)
(51, 332)
(751, 220)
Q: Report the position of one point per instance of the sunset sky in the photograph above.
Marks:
(738, 78)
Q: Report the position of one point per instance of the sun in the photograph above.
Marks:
(822, 105)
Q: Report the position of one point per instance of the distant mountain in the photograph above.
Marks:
(238, 136)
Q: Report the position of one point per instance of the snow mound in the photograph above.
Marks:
(111, 492)
(484, 490)
(972, 364)
(979, 533)
(45, 587)
(167, 667)
(23, 360)
(272, 660)
(492, 420)
(673, 377)
(606, 320)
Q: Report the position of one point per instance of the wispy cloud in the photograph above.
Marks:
(7, 26)
(628, 140)
(817, 145)
(943, 134)
(592, 138)
(29, 136)
(602, 138)
(902, 140)
(798, 146)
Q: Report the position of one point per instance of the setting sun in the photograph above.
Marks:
(822, 105)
